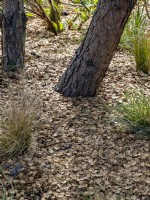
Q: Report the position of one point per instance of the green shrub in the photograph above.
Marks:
(135, 113)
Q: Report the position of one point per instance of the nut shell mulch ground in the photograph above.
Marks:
(78, 150)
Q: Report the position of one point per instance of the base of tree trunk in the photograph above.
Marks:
(92, 59)
(13, 35)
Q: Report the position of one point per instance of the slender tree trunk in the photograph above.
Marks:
(88, 67)
(13, 35)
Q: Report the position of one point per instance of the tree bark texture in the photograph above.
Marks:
(91, 60)
(13, 35)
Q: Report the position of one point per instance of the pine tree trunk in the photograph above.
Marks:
(13, 35)
(88, 67)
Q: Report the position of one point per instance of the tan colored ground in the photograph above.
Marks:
(79, 150)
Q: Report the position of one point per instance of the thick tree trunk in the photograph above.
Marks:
(88, 67)
(13, 35)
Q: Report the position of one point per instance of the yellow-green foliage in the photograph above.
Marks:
(48, 11)
(142, 53)
(135, 113)
(135, 38)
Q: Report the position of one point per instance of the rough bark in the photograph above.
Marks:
(13, 35)
(88, 67)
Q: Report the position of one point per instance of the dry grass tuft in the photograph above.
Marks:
(17, 124)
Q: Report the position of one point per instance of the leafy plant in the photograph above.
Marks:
(16, 125)
(47, 10)
(84, 10)
(135, 113)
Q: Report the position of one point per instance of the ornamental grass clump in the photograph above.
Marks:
(142, 53)
(135, 113)
(17, 124)
(135, 38)
(135, 26)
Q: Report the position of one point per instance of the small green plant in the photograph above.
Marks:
(136, 24)
(4, 194)
(47, 10)
(16, 125)
(89, 197)
(142, 53)
(92, 197)
(135, 39)
(135, 113)
(84, 11)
